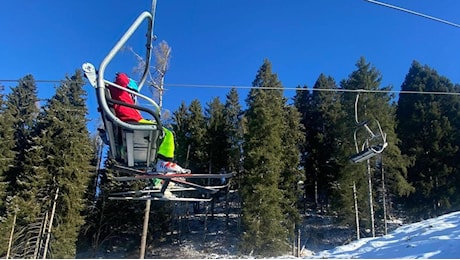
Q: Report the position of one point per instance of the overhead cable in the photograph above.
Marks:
(414, 13)
(318, 89)
(286, 88)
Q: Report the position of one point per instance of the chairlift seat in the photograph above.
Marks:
(128, 146)
(362, 123)
(368, 153)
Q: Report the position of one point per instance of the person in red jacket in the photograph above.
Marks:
(165, 160)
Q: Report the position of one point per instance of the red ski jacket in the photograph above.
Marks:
(124, 113)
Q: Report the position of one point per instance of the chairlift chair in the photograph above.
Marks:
(134, 146)
(374, 144)
(131, 144)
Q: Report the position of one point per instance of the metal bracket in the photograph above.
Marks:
(90, 73)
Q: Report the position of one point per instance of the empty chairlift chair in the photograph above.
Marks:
(372, 145)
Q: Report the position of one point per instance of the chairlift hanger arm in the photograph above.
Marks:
(367, 151)
(149, 16)
(365, 122)
(100, 87)
(356, 109)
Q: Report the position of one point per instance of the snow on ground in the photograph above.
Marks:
(433, 238)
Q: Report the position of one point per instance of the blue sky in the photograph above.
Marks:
(221, 42)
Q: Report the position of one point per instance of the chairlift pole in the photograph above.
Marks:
(148, 203)
(370, 194)
(355, 199)
(148, 45)
(385, 223)
(414, 13)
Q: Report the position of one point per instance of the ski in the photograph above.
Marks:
(178, 189)
(176, 199)
(206, 189)
(139, 192)
(173, 175)
(128, 170)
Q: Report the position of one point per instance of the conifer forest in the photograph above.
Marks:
(290, 156)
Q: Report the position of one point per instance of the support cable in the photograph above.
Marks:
(288, 88)
(414, 13)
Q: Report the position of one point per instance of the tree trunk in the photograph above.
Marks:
(50, 226)
(10, 241)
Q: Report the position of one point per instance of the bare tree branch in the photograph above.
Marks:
(157, 72)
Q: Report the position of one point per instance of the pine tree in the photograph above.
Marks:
(180, 127)
(216, 136)
(6, 147)
(59, 164)
(302, 101)
(92, 195)
(190, 129)
(428, 125)
(6, 162)
(20, 112)
(323, 116)
(22, 105)
(291, 174)
(196, 135)
(262, 199)
(234, 123)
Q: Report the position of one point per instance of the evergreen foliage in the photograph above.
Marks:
(429, 125)
(262, 208)
(191, 137)
(234, 128)
(323, 122)
(22, 106)
(92, 195)
(6, 162)
(197, 138)
(217, 141)
(60, 162)
(291, 174)
(302, 101)
(20, 111)
(6, 148)
(180, 127)
(52, 158)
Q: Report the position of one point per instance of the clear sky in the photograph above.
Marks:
(221, 42)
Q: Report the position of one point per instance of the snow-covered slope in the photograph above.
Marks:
(432, 238)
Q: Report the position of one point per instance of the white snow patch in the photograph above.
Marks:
(432, 238)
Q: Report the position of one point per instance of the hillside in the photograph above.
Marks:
(320, 238)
